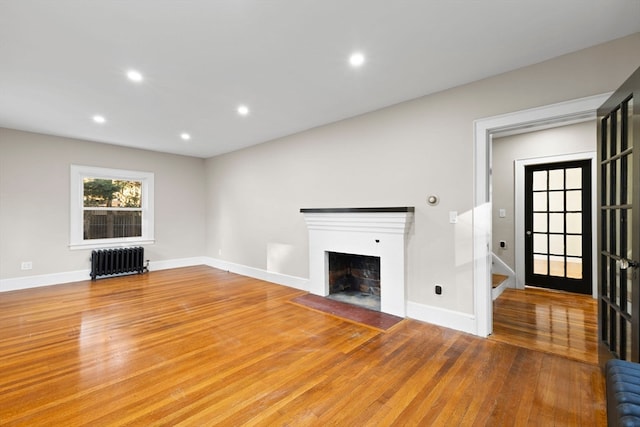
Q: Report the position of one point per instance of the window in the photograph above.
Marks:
(110, 207)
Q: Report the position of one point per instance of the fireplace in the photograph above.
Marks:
(371, 232)
(354, 279)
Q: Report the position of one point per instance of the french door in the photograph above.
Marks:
(558, 226)
(619, 221)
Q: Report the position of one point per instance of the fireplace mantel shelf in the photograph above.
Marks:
(359, 210)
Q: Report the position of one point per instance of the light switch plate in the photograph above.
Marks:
(453, 217)
(502, 213)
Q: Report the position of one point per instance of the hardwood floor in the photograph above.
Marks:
(554, 322)
(199, 346)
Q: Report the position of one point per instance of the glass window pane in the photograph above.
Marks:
(630, 121)
(556, 201)
(605, 229)
(617, 216)
(574, 268)
(556, 179)
(574, 200)
(619, 181)
(540, 202)
(574, 223)
(630, 240)
(107, 224)
(111, 193)
(619, 130)
(556, 266)
(629, 287)
(574, 178)
(629, 178)
(556, 223)
(606, 124)
(540, 265)
(540, 222)
(607, 188)
(540, 243)
(539, 180)
(556, 244)
(574, 245)
(629, 347)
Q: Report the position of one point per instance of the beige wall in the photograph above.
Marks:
(393, 157)
(578, 138)
(34, 201)
(243, 207)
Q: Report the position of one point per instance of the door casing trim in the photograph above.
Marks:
(574, 111)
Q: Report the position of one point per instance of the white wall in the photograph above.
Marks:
(34, 201)
(392, 157)
(577, 138)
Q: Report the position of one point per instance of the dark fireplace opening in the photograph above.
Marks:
(355, 279)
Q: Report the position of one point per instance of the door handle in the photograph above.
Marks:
(528, 233)
(624, 263)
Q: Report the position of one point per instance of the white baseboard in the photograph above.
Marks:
(258, 273)
(176, 263)
(442, 317)
(27, 282)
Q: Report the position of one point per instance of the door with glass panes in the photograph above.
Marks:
(619, 221)
(558, 226)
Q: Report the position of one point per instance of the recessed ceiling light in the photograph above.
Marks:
(134, 76)
(185, 136)
(243, 110)
(99, 119)
(356, 59)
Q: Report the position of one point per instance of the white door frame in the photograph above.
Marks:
(575, 111)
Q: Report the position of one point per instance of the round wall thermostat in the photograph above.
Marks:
(433, 200)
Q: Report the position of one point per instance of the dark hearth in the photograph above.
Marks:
(355, 279)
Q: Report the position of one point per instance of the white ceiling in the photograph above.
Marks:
(63, 61)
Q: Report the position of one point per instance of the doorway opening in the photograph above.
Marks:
(564, 113)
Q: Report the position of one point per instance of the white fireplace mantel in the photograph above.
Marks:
(380, 232)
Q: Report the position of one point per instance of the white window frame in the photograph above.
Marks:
(76, 238)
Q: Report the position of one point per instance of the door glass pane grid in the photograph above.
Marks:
(557, 222)
(617, 287)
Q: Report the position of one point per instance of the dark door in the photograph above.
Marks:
(558, 226)
(619, 221)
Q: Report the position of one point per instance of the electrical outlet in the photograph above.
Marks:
(438, 289)
(26, 265)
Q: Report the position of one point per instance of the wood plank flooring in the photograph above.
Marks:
(549, 321)
(198, 347)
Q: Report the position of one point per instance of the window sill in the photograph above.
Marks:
(111, 244)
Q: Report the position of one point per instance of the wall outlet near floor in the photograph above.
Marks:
(26, 265)
(438, 289)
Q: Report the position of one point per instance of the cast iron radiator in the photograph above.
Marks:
(108, 262)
